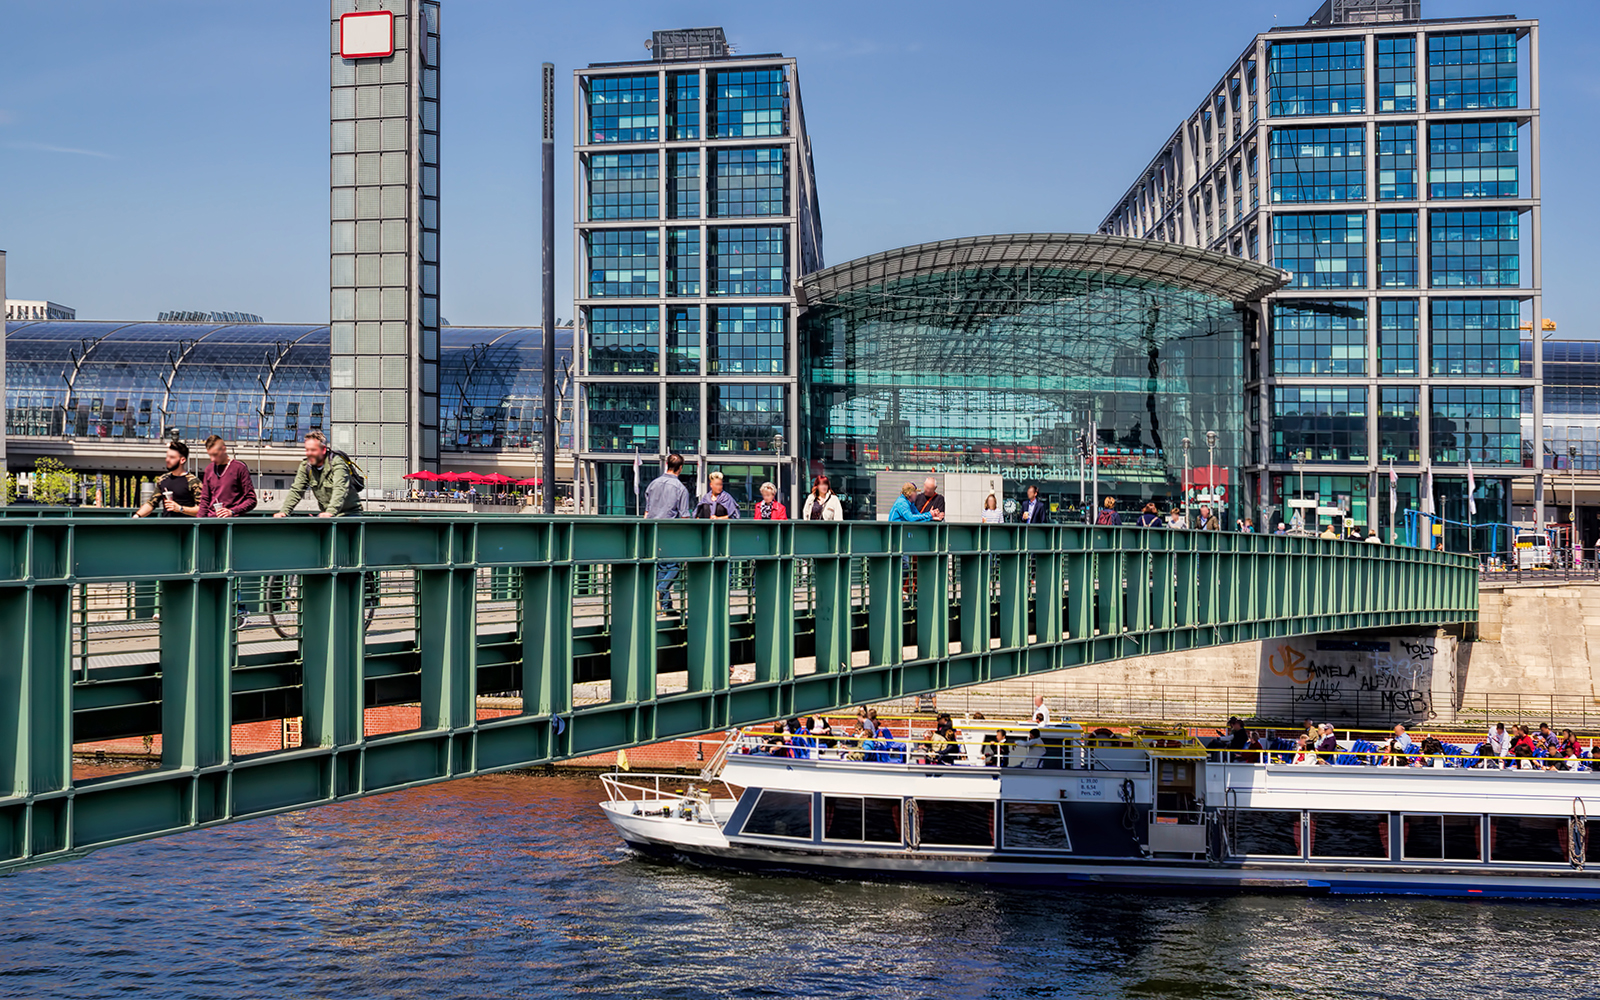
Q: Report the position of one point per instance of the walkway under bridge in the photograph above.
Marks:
(185, 633)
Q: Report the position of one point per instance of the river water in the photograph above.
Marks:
(515, 886)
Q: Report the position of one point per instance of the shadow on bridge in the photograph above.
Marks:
(189, 632)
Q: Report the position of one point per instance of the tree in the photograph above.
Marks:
(52, 482)
(10, 488)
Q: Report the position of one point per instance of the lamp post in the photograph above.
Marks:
(777, 449)
(1211, 471)
(1186, 444)
(1572, 481)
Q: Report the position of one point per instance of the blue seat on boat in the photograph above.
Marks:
(1367, 750)
(1455, 756)
(801, 747)
(1282, 750)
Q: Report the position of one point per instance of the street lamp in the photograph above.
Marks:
(1186, 444)
(777, 450)
(1572, 480)
(1211, 471)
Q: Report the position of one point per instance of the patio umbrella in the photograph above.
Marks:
(530, 482)
(472, 477)
(497, 478)
(449, 477)
(425, 476)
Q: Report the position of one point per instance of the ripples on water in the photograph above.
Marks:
(515, 886)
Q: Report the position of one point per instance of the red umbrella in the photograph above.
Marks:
(498, 479)
(449, 477)
(471, 477)
(431, 477)
(530, 482)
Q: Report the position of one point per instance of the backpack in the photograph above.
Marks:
(358, 480)
(1105, 518)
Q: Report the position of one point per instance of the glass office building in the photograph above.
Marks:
(992, 354)
(696, 214)
(1390, 163)
(104, 396)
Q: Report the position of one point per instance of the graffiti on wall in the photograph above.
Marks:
(1350, 678)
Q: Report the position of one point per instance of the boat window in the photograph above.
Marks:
(882, 820)
(1443, 838)
(1273, 832)
(848, 817)
(781, 814)
(1035, 826)
(1349, 835)
(1533, 838)
(956, 823)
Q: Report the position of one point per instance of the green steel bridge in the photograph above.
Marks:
(178, 635)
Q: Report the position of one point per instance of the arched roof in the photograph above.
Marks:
(1139, 259)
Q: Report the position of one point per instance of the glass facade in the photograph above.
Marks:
(749, 260)
(744, 418)
(683, 183)
(749, 103)
(1318, 164)
(1397, 162)
(683, 341)
(1472, 160)
(1319, 424)
(1399, 426)
(1473, 249)
(624, 108)
(1397, 74)
(1397, 249)
(995, 368)
(1475, 336)
(1473, 70)
(1571, 402)
(1480, 424)
(1323, 249)
(749, 182)
(683, 262)
(1316, 78)
(257, 383)
(624, 262)
(683, 106)
(1319, 338)
(624, 185)
(748, 340)
(624, 340)
(1398, 331)
(624, 416)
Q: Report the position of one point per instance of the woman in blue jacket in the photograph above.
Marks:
(904, 511)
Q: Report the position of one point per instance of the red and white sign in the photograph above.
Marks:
(366, 35)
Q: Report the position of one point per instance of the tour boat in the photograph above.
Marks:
(1147, 812)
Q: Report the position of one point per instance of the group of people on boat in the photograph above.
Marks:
(870, 739)
(1516, 747)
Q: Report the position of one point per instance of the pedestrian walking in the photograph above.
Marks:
(823, 504)
(1209, 520)
(179, 493)
(334, 481)
(229, 491)
(1175, 519)
(1149, 517)
(667, 497)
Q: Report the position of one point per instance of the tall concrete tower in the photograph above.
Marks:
(384, 240)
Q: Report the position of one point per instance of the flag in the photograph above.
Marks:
(622, 761)
(1394, 501)
(1427, 492)
(638, 463)
(1472, 487)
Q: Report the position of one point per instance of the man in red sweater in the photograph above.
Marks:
(228, 489)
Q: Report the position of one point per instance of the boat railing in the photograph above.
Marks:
(1431, 749)
(638, 786)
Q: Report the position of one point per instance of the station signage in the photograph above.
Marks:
(368, 34)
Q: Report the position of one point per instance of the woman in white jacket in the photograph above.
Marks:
(823, 504)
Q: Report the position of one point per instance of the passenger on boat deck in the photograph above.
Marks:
(1404, 738)
(1395, 754)
(1499, 740)
(1327, 744)
(1312, 733)
(872, 720)
(1002, 742)
(990, 749)
(1521, 742)
(1490, 759)
(1254, 749)
(1303, 752)
(1569, 744)
(1236, 738)
(1032, 750)
(1548, 736)
(1041, 711)
(1433, 752)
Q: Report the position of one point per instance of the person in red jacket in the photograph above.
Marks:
(770, 508)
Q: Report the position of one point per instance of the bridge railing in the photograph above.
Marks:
(370, 645)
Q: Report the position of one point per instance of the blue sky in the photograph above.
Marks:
(172, 154)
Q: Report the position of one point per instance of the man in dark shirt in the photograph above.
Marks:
(228, 489)
(929, 501)
(178, 492)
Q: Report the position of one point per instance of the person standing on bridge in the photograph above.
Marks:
(181, 493)
(1034, 510)
(823, 504)
(667, 497)
(332, 478)
(229, 491)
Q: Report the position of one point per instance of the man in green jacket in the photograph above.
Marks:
(327, 474)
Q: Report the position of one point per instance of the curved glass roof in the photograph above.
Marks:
(266, 381)
(1146, 260)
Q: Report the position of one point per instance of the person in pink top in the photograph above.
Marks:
(228, 489)
(770, 508)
